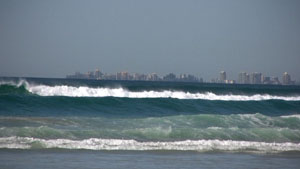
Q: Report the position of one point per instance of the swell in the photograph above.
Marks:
(8, 89)
(32, 105)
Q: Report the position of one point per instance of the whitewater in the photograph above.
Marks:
(39, 113)
(85, 91)
(117, 144)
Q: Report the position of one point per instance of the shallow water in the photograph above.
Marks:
(64, 159)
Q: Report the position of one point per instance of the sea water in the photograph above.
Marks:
(112, 124)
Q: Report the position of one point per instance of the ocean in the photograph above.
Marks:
(68, 123)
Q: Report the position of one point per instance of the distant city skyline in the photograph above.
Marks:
(215, 75)
(243, 77)
(199, 37)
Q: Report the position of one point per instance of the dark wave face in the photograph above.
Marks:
(124, 115)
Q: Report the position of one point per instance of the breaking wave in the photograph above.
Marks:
(104, 115)
(118, 144)
(85, 91)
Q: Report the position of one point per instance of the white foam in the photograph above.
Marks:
(292, 116)
(214, 128)
(18, 84)
(84, 91)
(117, 144)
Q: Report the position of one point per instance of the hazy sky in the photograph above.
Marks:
(58, 37)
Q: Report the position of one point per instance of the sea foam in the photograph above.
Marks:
(84, 91)
(118, 144)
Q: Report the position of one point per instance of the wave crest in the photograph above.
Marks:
(84, 91)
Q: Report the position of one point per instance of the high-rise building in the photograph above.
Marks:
(123, 76)
(143, 77)
(266, 80)
(286, 79)
(137, 76)
(170, 77)
(247, 81)
(187, 78)
(118, 76)
(243, 78)
(222, 76)
(90, 75)
(98, 74)
(255, 78)
(153, 77)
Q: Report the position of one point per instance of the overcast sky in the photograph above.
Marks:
(58, 37)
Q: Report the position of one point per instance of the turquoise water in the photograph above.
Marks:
(156, 121)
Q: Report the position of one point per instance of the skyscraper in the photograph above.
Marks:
(286, 79)
(255, 78)
(222, 76)
(153, 77)
(97, 74)
(170, 77)
(243, 78)
(266, 80)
